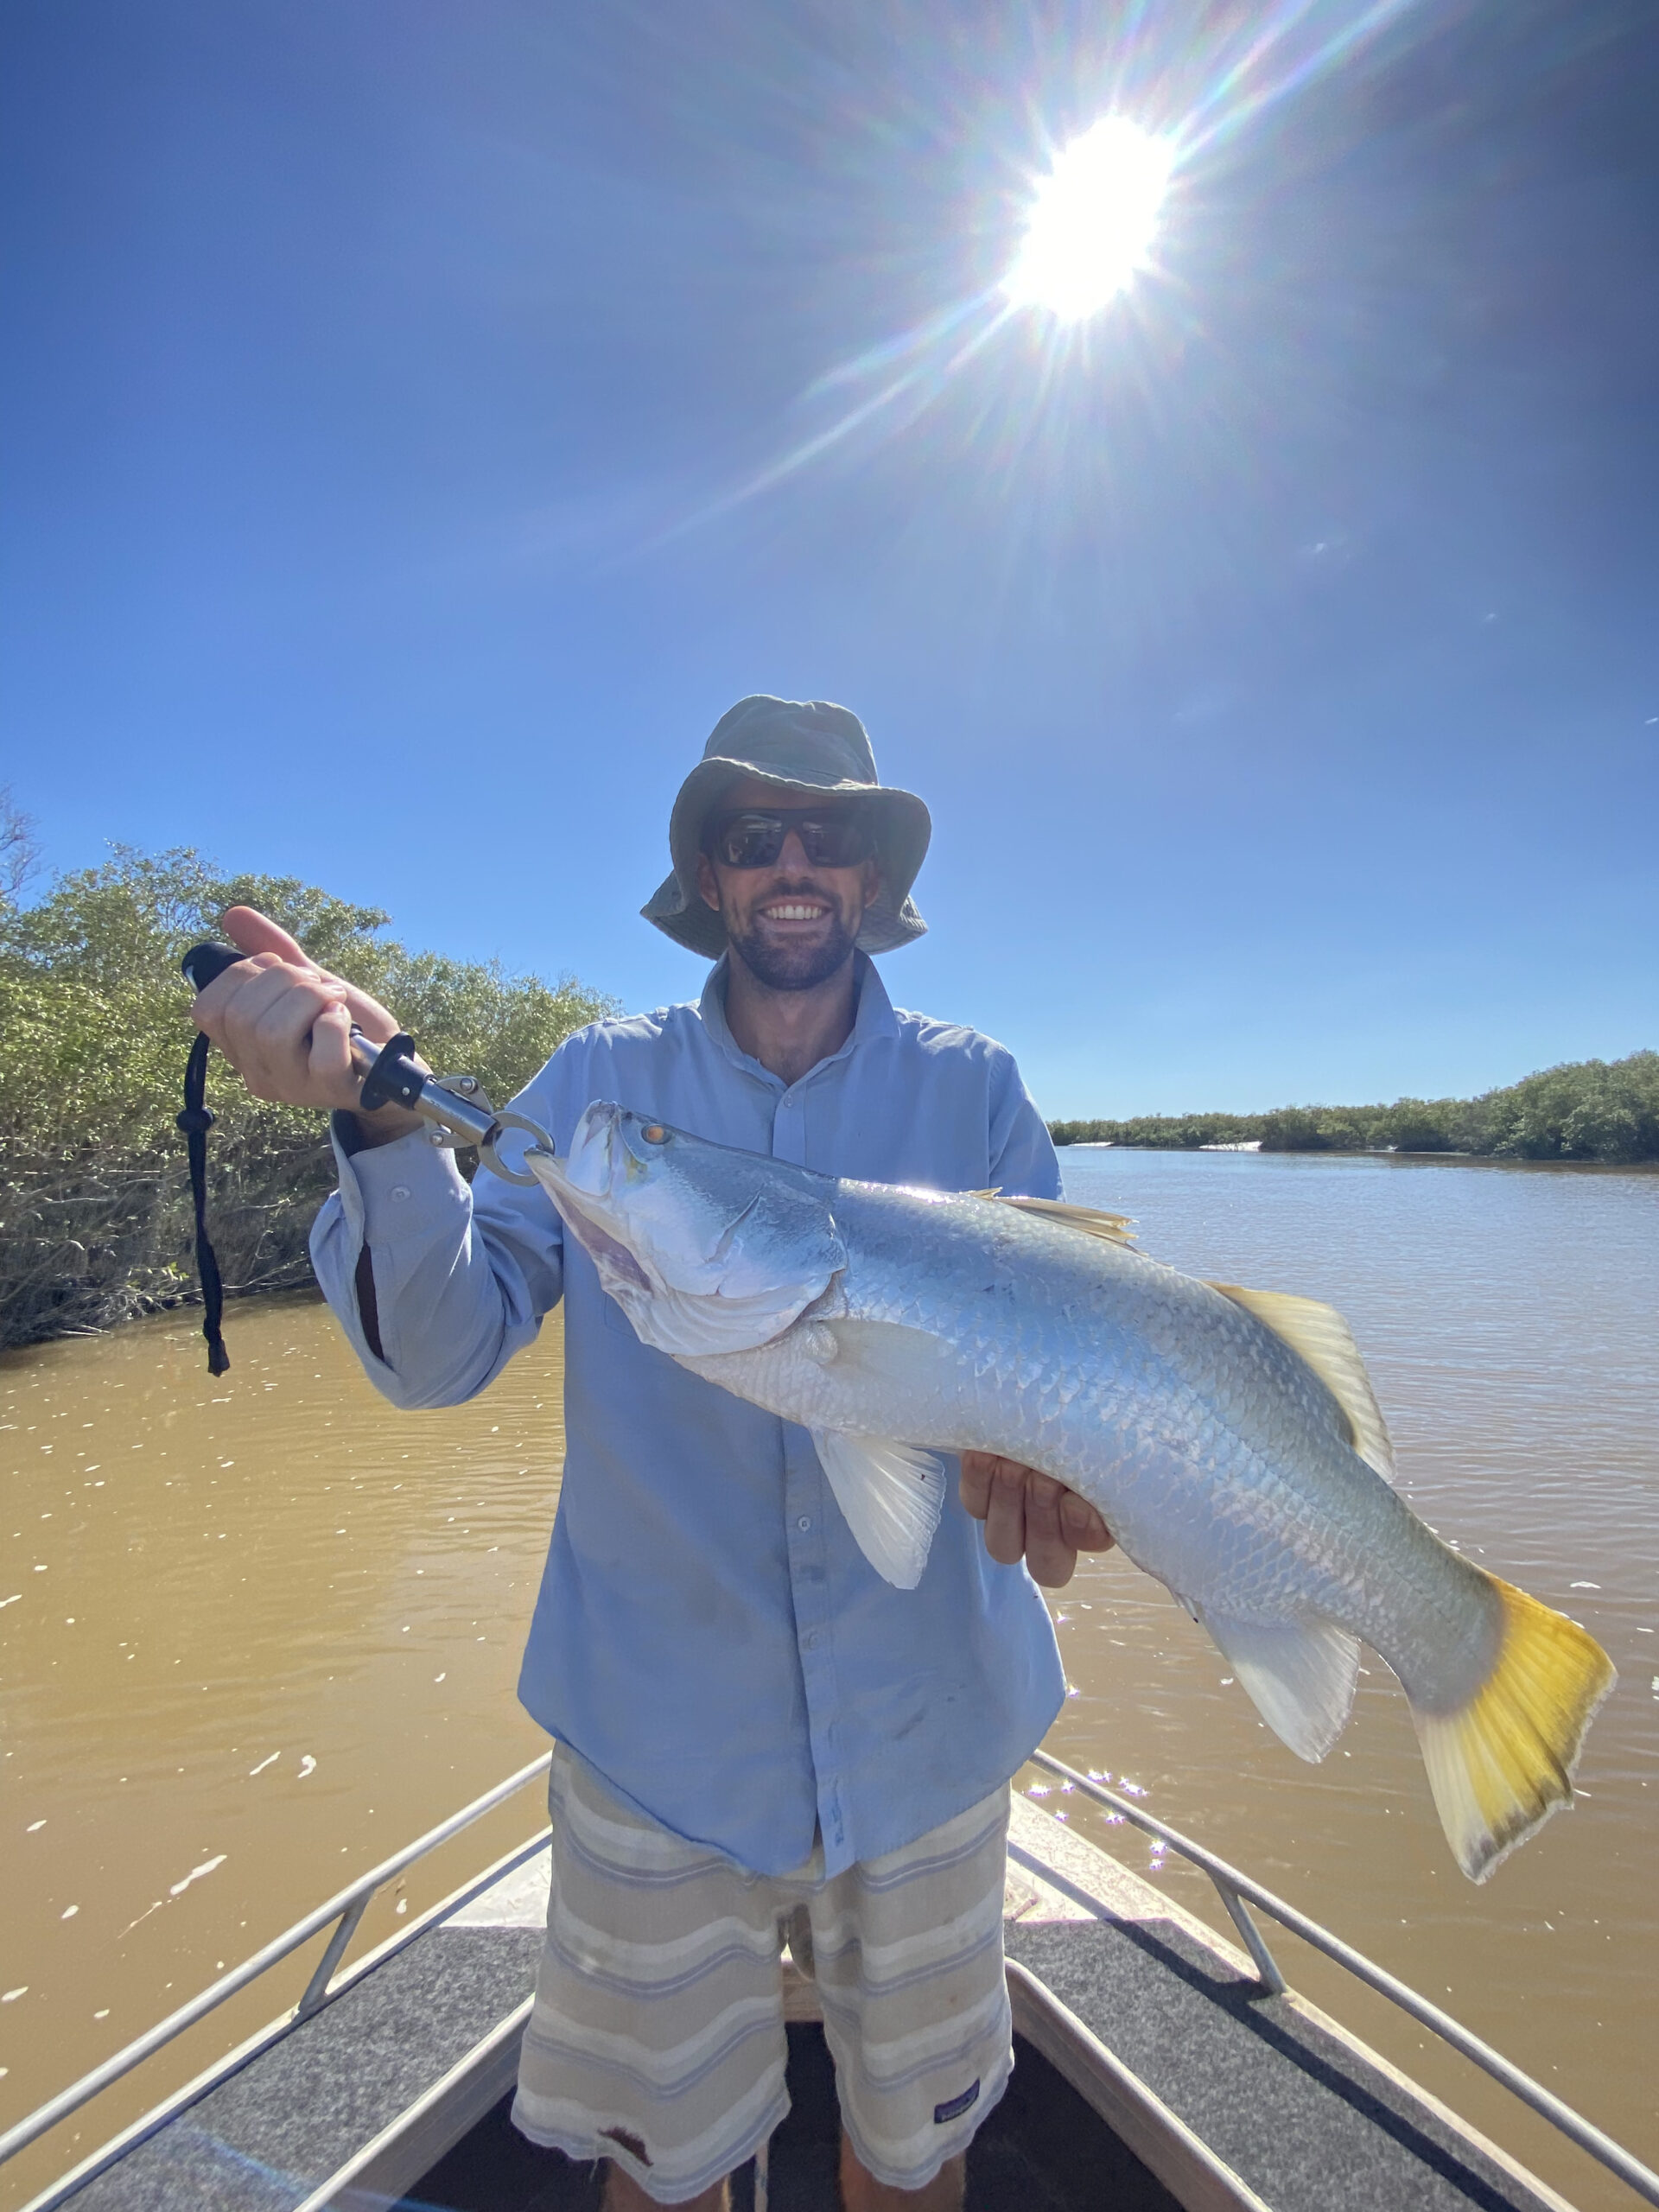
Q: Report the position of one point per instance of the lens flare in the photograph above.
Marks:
(1092, 221)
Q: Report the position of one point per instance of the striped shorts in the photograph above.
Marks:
(658, 2034)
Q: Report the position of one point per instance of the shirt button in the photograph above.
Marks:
(808, 1641)
(399, 1191)
(804, 1522)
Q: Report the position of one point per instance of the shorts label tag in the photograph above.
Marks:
(954, 2108)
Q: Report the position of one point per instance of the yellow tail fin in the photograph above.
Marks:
(1502, 1763)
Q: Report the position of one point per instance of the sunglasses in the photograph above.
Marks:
(839, 836)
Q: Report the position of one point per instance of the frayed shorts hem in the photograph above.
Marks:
(586, 2149)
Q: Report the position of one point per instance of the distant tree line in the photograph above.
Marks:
(1588, 1109)
(95, 1218)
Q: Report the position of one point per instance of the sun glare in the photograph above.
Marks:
(1092, 221)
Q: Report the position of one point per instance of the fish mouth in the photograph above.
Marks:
(582, 1183)
(613, 1260)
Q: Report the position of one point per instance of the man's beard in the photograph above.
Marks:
(795, 964)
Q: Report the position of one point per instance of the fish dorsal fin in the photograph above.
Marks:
(1111, 1228)
(1299, 1675)
(1319, 1337)
(890, 1495)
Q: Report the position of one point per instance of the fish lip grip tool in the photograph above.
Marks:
(454, 1107)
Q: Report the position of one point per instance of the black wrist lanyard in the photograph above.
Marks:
(195, 1121)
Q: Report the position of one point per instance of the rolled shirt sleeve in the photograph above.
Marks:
(459, 1286)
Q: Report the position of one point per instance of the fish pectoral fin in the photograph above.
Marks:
(890, 1495)
(890, 1352)
(1300, 1674)
(1322, 1340)
(1111, 1228)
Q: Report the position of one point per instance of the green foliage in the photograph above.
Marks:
(94, 1204)
(1160, 1132)
(1599, 1110)
(1605, 1110)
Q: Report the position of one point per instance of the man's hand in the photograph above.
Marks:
(1030, 1516)
(283, 1023)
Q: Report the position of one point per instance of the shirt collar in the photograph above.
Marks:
(874, 1018)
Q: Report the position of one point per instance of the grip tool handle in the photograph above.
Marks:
(456, 1111)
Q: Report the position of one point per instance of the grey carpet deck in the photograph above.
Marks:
(1303, 2119)
(1041, 2149)
(263, 2140)
(1294, 2112)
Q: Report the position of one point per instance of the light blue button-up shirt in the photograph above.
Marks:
(708, 1637)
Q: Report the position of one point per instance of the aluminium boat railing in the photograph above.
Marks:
(1236, 1890)
(346, 1910)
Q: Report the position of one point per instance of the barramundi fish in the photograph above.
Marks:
(1229, 1438)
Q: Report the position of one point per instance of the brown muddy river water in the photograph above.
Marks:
(257, 1633)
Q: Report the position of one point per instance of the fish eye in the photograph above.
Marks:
(654, 1132)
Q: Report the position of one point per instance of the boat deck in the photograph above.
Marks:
(1301, 2113)
(1043, 2149)
(264, 2140)
(1207, 2093)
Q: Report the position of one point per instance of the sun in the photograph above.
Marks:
(1092, 221)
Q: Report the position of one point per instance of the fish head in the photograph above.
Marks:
(705, 1248)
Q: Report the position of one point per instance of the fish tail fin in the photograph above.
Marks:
(1500, 1764)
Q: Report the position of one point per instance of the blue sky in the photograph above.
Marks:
(418, 422)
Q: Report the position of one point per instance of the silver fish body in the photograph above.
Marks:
(1229, 1438)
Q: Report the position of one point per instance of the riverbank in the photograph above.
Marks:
(1083, 1146)
(1604, 1111)
(96, 1225)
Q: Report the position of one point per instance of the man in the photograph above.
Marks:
(755, 1733)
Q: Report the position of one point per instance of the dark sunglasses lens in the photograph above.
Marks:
(749, 840)
(835, 840)
(840, 839)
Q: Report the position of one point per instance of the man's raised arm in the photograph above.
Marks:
(434, 1305)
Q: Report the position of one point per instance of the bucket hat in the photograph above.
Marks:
(799, 746)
